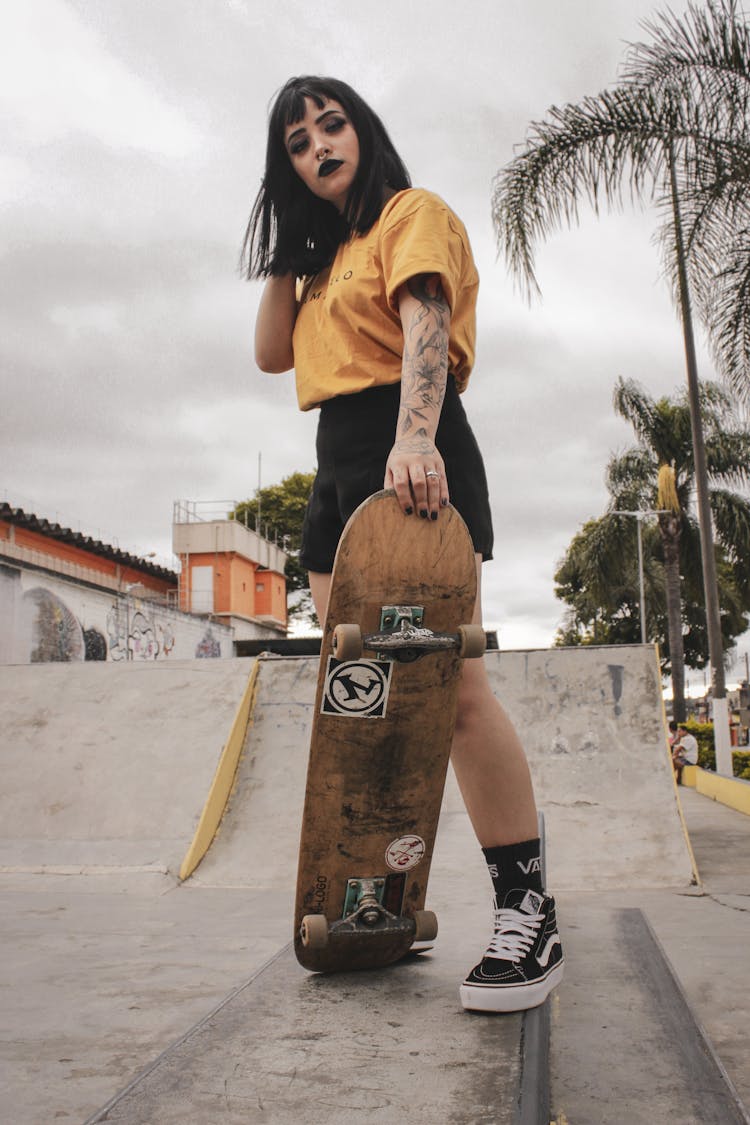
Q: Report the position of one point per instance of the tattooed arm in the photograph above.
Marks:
(425, 318)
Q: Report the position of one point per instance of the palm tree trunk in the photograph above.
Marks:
(669, 527)
(710, 585)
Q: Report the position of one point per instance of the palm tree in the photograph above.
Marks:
(597, 575)
(702, 64)
(675, 130)
(659, 473)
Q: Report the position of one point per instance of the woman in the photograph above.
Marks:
(380, 331)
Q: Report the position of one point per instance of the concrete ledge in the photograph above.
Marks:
(731, 791)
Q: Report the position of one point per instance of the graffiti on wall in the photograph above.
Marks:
(55, 631)
(136, 634)
(44, 623)
(208, 648)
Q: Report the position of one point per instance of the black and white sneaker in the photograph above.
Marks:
(524, 960)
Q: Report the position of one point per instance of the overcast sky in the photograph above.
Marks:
(133, 134)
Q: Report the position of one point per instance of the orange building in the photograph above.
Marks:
(27, 539)
(229, 572)
(67, 596)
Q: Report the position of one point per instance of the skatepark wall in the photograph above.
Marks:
(593, 725)
(106, 766)
(109, 766)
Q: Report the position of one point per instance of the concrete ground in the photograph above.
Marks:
(97, 981)
(603, 1042)
(107, 961)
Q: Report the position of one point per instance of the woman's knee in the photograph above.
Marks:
(474, 695)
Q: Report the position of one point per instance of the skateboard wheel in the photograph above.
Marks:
(473, 641)
(347, 642)
(314, 931)
(426, 925)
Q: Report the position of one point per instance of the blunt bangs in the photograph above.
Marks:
(289, 229)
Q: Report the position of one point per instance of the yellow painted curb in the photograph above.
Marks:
(221, 786)
(731, 791)
(688, 776)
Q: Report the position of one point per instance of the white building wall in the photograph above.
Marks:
(44, 618)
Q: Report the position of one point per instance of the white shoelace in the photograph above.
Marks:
(515, 933)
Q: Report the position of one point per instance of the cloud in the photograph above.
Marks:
(134, 138)
(62, 81)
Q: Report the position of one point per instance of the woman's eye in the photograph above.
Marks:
(298, 147)
(335, 124)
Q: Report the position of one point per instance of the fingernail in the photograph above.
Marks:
(408, 511)
(423, 513)
(444, 503)
(433, 515)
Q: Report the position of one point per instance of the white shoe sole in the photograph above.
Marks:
(509, 998)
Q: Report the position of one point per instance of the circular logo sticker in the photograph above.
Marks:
(405, 853)
(356, 687)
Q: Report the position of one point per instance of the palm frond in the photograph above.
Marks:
(728, 458)
(629, 478)
(726, 308)
(731, 512)
(584, 153)
(703, 55)
(635, 406)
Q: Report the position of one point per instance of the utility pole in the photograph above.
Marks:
(639, 517)
(257, 515)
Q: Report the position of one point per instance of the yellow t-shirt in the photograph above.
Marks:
(348, 333)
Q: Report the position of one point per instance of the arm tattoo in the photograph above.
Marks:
(425, 365)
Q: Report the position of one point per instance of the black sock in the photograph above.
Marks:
(515, 865)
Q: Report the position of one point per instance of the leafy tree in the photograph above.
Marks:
(676, 131)
(598, 580)
(598, 576)
(278, 511)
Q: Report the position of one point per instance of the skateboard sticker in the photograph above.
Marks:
(358, 688)
(405, 853)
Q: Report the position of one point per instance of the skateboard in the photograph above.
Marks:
(397, 629)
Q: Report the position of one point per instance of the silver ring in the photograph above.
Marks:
(432, 473)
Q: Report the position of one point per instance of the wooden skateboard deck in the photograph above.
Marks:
(382, 730)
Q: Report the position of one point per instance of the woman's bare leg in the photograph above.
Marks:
(320, 588)
(489, 761)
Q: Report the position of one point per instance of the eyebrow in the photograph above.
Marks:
(321, 117)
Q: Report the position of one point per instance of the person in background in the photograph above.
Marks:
(684, 751)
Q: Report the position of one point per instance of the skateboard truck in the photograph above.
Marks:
(365, 913)
(364, 901)
(403, 638)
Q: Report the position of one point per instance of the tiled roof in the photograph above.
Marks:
(28, 520)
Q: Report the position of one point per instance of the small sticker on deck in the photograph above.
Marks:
(405, 853)
(357, 688)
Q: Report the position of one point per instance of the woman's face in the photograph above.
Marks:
(324, 151)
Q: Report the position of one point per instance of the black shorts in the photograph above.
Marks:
(355, 435)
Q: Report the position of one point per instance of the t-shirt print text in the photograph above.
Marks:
(316, 294)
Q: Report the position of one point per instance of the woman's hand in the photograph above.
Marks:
(415, 468)
(416, 471)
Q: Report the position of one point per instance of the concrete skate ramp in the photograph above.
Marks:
(107, 766)
(591, 720)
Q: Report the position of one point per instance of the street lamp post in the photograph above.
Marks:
(639, 517)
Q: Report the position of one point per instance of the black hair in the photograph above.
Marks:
(290, 229)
